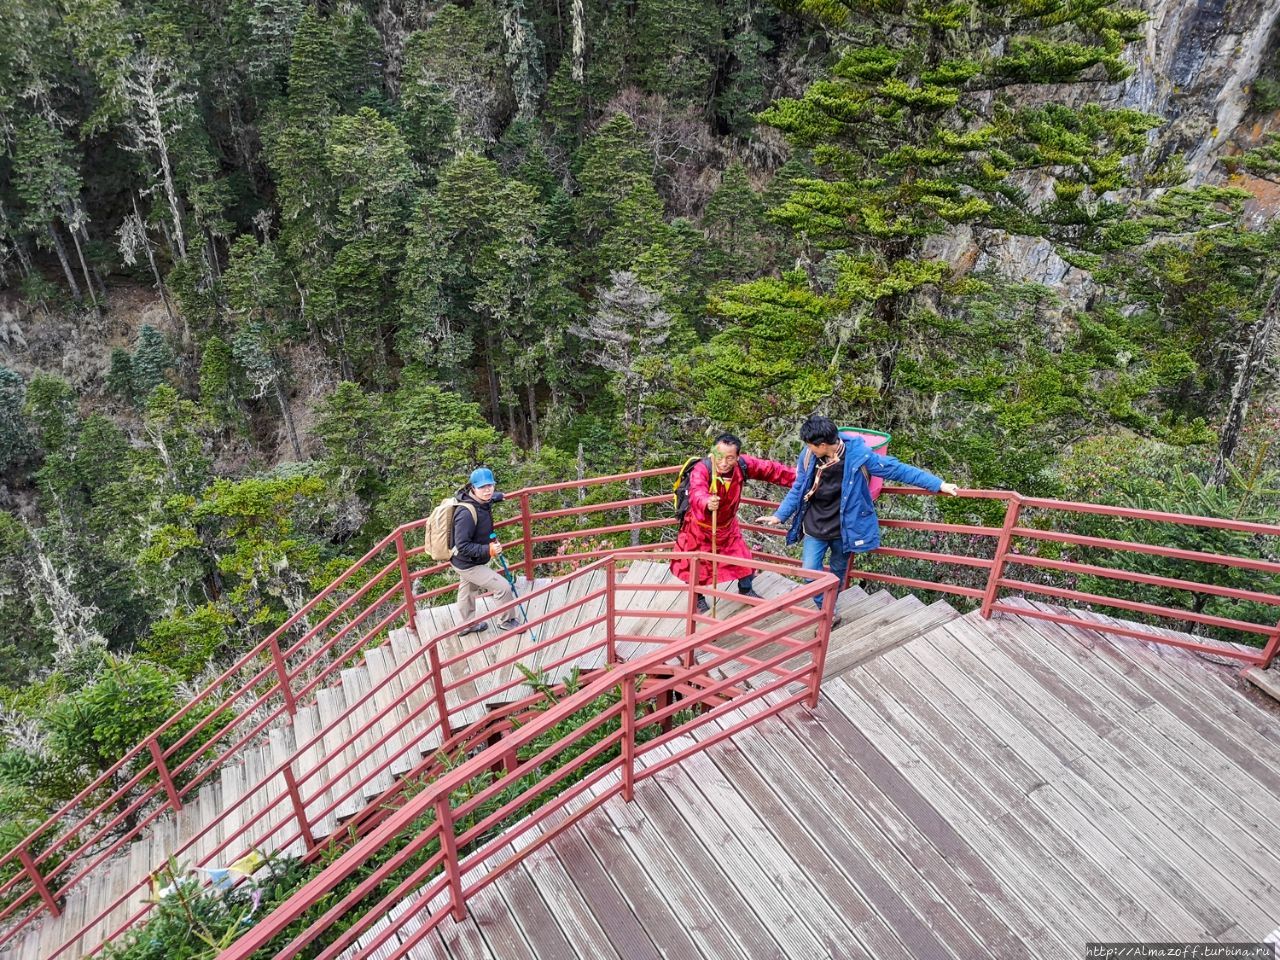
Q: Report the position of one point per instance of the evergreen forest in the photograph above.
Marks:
(275, 275)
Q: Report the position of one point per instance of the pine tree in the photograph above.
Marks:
(262, 306)
(735, 224)
(913, 134)
(15, 438)
(152, 361)
(120, 377)
(618, 211)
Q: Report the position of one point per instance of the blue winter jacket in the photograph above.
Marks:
(859, 527)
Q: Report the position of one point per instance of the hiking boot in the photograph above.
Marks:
(750, 593)
(703, 606)
(511, 624)
(480, 627)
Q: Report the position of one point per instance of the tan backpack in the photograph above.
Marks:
(439, 530)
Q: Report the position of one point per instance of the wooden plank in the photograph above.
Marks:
(626, 932)
(804, 826)
(461, 673)
(891, 799)
(668, 874)
(1268, 681)
(927, 734)
(412, 663)
(1179, 831)
(1082, 850)
(525, 905)
(1150, 878)
(429, 947)
(513, 644)
(1196, 760)
(799, 917)
(357, 685)
(1191, 677)
(315, 791)
(336, 728)
(381, 665)
(232, 775)
(581, 928)
(875, 642)
(752, 921)
(496, 923)
(566, 621)
(281, 818)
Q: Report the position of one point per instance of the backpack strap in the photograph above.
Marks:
(475, 517)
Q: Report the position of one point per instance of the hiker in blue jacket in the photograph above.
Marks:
(830, 502)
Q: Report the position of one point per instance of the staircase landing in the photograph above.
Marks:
(965, 788)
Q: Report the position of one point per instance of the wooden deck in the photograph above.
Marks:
(965, 788)
(1004, 788)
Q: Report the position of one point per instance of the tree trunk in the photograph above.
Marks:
(1251, 365)
(286, 411)
(495, 402)
(579, 18)
(151, 259)
(582, 473)
(77, 234)
(66, 264)
(533, 418)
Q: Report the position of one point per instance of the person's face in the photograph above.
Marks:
(725, 458)
(485, 494)
(823, 449)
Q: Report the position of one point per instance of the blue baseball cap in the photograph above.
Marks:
(482, 477)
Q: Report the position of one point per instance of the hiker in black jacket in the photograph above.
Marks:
(474, 546)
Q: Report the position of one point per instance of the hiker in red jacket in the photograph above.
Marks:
(719, 489)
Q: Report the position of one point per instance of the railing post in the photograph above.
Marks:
(1012, 509)
(299, 810)
(283, 672)
(526, 524)
(406, 583)
(610, 584)
(437, 684)
(629, 739)
(452, 869)
(29, 864)
(1269, 651)
(691, 626)
(162, 769)
(829, 597)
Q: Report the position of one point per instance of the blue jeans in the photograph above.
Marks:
(813, 551)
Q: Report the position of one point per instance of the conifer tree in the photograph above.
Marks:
(152, 361)
(914, 133)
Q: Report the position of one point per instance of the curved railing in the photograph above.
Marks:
(388, 586)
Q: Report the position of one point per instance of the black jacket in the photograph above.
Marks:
(471, 538)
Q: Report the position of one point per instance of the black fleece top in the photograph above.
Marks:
(471, 538)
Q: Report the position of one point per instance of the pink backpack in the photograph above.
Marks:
(878, 442)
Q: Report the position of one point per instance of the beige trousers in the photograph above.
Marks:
(476, 581)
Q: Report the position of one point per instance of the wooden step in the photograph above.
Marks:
(1268, 681)
(380, 663)
(314, 789)
(868, 643)
(357, 686)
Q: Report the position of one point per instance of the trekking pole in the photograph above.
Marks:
(715, 515)
(511, 579)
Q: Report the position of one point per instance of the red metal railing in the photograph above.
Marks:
(286, 672)
(801, 636)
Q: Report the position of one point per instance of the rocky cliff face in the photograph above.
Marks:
(1195, 67)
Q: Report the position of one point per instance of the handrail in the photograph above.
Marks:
(440, 790)
(274, 674)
